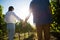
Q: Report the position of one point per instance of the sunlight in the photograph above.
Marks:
(23, 12)
(21, 8)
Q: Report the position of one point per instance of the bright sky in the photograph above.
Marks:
(21, 8)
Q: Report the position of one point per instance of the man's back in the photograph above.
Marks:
(41, 12)
(39, 5)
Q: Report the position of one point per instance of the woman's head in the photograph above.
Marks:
(11, 8)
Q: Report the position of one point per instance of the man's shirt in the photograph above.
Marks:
(41, 12)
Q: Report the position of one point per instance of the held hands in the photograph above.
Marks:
(27, 17)
(24, 22)
(21, 20)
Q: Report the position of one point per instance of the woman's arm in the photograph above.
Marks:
(17, 17)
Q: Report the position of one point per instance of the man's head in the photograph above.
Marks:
(10, 8)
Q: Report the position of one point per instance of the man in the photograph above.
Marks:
(41, 17)
(10, 19)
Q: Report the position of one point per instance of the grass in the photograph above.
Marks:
(26, 36)
(22, 36)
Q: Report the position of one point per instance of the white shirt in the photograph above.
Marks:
(11, 17)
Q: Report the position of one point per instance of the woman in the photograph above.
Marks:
(10, 19)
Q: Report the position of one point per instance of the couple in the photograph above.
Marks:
(41, 17)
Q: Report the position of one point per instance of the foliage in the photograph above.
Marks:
(26, 29)
(55, 26)
(55, 14)
(21, 29)
(2, 24)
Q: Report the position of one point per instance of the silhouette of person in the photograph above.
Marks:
(10, 19)
(41, 17)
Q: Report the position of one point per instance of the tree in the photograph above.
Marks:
(2, 24)
(55, 26)
(55, 14)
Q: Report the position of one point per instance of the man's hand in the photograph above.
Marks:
(26, 19)
(21, 20)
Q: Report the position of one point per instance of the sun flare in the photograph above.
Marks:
(23, 13)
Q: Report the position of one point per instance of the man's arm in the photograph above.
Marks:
(28, 16)
(30, 11)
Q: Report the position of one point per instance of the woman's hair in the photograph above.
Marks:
(11, 8)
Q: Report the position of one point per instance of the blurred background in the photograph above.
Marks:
(22, 10)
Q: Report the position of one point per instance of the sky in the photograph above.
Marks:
(21, 8)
